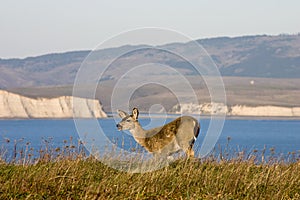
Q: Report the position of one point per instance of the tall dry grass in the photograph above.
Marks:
(68, 173)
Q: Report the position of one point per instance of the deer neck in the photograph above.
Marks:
(141, 135)
(138, 132)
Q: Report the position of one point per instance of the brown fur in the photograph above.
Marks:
(155, 141)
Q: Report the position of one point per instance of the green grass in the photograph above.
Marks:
(71, 175)
(90, 179)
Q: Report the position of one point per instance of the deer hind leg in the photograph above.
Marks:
(186, 144)
(190, 152)
(187, 147)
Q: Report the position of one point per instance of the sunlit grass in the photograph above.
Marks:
(68, 173)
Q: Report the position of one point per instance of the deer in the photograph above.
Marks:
(177, 135)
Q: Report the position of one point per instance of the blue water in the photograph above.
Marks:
(249, 135)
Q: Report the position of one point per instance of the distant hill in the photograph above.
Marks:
(247, 56)
(50, 69)
(256, 56)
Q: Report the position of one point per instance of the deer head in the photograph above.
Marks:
(128, 122)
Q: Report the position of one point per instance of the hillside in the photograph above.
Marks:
(248, 56)
(239, 91)
(256, 56)
(257, 71)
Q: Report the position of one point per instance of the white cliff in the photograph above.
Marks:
(17, 106)
(205, 108)
(265, 111)
(237, 110)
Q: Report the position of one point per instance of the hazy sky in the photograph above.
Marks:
(35, 27)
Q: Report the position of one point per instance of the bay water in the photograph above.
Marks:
(280, 137)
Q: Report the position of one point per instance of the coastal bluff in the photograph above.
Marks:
(16, 106)
(237, 110)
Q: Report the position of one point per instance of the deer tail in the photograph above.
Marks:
(196, 130)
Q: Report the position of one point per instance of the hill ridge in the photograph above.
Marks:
(243, 56)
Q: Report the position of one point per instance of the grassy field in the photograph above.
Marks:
(71, 175)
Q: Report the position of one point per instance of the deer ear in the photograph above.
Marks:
(135, 113)
(122, 113)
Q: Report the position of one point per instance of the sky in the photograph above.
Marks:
(36, 27)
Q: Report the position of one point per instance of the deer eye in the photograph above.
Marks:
(128, 120)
